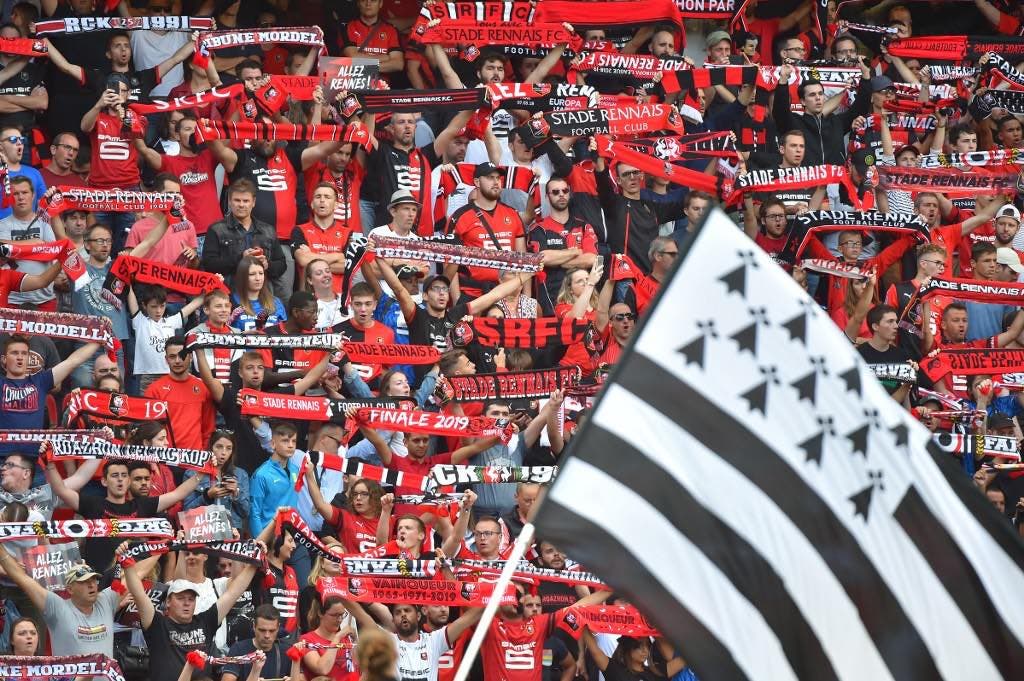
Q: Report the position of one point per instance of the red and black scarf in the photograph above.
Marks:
(434, 423)
(399, 101)
(106, 200)
(642, 66)
(128, 269)
(62, 667)
(776, 179)
(673, 172)
(371, 589)
(990, 292)
(955, 48)
(306, 36)
(990, 181)
(542, 332)
(510, 385)
(485, 34)
(685, 81)
(392, 353)
(116, 406)
(249, 130)
(310, 408)
(361, 469)
(624, 620)
(299, 88)
(64, 249)
(974, 361)
(64, 325)
(622, 120)
(687, 147)
(23, 47)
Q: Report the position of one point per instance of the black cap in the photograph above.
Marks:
(430, 281)
(408, 271)
(485, 169)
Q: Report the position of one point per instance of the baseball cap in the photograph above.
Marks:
(80, 573)
(908, 147)
(406, 271)
(999, 420)
(879, 83)
(1008, 211)
(178, 586)
(1009, 257)
(402, 196)
(437, 277)
(484, 169)
(716, 37)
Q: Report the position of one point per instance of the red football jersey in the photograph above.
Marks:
(513, 650)
(114, 162)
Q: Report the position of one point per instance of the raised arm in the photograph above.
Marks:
(178, 494)
(35, 591)
(62, 64)
(149, 155)
(151, 239)
(236, 587)
(68, 496)
(138, 591)
(600, 659)
(215, 387)
(451, 544)
(180, 55)
(74, 360)
(472, 449)
(314, 375)
(505, 288)
(459, 626)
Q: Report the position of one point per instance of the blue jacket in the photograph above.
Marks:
(238, 507)
(272, 487)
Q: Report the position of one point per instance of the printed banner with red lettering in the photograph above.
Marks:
(434, 423)
(413, 591)
(542, 332)
(511, 384)
(69, 666)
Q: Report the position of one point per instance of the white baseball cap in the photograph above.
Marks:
(1008, 211)
(1009, 257)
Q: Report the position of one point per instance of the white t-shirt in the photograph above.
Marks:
(331, 312)
(417, 660)
(150, 337)
(150, 49)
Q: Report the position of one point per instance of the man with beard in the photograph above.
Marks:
(399, 164)
(345, 170)
(276, 169)
(172, 634)
(564, 241)
(188, 400)
(419, 652)
(555, 595)
(488, 223)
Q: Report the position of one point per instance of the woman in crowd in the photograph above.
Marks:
(230, 490)
(335, 663)
(578, 299)
(309, 597)
(252, 297)
(331, 308)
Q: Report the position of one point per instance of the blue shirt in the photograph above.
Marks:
(985, 320)
(501, 496)
(23, 400)
(272, 487)
(247, 322)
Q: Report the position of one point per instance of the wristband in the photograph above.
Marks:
(294, 654)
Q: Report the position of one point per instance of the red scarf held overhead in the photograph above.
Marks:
(478, 34)
(128, 269)
(624, 620)
(249, 130)
(974, 361)
(401, 101)
(116, 406)
(510, 385)
(529, 334)
(369, 589)
(106, 200)
(59, 667)
(434, 423)
(983, 181)
(310, 408)
(78, 25)
(687, 147)
(776, 179)
(24, 47)
(542, 96)
(623, 153)
(71, 260)
(64, 325)
(684, 81)
(991, 292)
(955, 47)
(643, 66)
(360, 469)
(382, 353)
(621, 120)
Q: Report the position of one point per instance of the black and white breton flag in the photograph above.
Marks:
(746, 481)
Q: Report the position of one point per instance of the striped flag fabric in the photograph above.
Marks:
(748, 484)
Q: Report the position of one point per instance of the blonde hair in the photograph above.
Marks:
(313, 616)
(376, 655)
(565, 293)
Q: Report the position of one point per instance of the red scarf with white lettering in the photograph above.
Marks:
(71, 260)
(395, 353)
(955, 48)
(470, 32)
(996, 180)
(59, 667)
(642, 66)
(107, 200)
(530, 334)
(116, 406)
(779, 179)
(510, 384)
(128, 269)
(677, 174)
(369, 589)
(299, 88)
(621, 120)
(624, 620)
(291, 132)
(434, 423)
(973, 361)
(991, 292)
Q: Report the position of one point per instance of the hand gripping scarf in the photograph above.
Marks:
(64, 249)
(414, 591)
(64, 325)
(23, 47)
(201, 340)
(443, 475)
(307, 36)
(107, 200)
(403, 101)
(510, 384)
(484, 34)
(199, 660)
(438, 251)
(197, 460)
(808, 224)
(1002, 71)
(777, 179)
(542, 332)
(116, 406)
(1004, 448)
(307, 408)
(128, 269)
(94, 24)
(677, 174)
(955, 48)
(434, 423)
(62, 667)
(80, 529)
(249, 130)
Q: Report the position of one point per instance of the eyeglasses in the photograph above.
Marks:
(486, 533)
(13, 139)
(360, 494)
(68, 147)
(109, 371)
(671, 254)
(223, 431)
(100, 241)
(937, 263)
(9, 464)
(334, 615)
(438, 289)
(622, 316)
(799, 48)
(631, 174)
(775, 216)
(557, 192)
(852, 244)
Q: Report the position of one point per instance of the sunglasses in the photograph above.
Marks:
(622, 316)
(13, 139)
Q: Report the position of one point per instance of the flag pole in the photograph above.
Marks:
(518, 549)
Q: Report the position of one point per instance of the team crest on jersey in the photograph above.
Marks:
(528, 628)
(382, 36)
(508, 220)
(424, 656)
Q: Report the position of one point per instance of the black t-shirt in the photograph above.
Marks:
(248, 452)
(98, 552)
(617, 672)
(426, 329)
(88, 50)
(169, 642)
(21, 85)
(893, 355)
(140, 83)
(555, 596)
